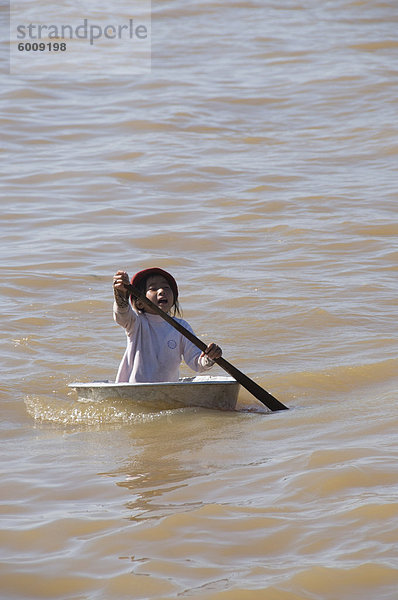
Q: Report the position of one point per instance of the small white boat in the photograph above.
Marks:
(220, 393)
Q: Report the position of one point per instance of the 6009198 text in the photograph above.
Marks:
(42, 46)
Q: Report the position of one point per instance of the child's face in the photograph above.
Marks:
(159, 292)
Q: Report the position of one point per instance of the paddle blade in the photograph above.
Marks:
(251, 386)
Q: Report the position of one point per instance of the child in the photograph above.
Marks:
(154, 348)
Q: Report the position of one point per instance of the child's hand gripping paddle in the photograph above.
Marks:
(257, 391)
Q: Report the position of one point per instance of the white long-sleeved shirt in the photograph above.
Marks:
(154, 348)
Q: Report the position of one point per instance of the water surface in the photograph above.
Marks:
(256, 162)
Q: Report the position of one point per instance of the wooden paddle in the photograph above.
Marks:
(245, 381)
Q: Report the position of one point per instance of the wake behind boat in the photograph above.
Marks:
(219, 393)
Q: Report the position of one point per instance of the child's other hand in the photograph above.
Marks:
(120, 279)
(212, 351)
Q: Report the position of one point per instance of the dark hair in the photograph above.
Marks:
(141, 286)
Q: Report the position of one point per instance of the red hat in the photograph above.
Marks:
(138, 277)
